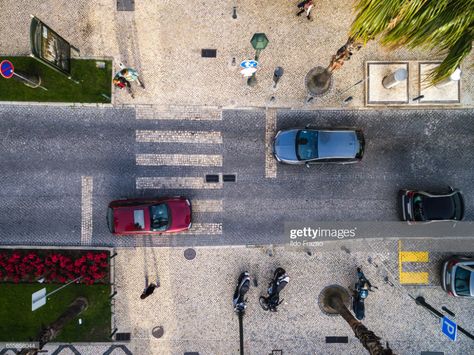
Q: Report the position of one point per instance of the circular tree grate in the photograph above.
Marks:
(190, 254)
(327, 293)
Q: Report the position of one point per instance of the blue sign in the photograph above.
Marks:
(6, 69)
(449, 328)
(249, 64)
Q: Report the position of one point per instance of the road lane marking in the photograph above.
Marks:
(176, 183)
(86, 209)
(204, 228)
(207, 205)
(184, 113)
(414, 256)
(202, 137)
(418, 277)
(270, 130)
(179, 160)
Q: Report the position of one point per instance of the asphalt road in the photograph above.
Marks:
(45, 151)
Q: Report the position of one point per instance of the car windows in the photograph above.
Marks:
(458, 206)
(307, 145)
(159, 217)
(461, 281)
(110, 219)
(418, 207)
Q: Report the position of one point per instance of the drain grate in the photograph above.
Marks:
(332, 340)
(277, 352)
(125, 5)
(208, 53)
(190, 254)
(229, 178)
(158, 332)
(212, 178)
(122, 336)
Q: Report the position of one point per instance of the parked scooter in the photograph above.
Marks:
(280, 280)
(360, 293)
(243, 285)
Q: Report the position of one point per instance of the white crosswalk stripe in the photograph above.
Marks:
(201, 206)
(202, 137)
(179, 159)
(173, 183)
(86, 209)
(182, 113)
(204, 228)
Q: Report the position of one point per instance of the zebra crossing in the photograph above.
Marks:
(179, 134)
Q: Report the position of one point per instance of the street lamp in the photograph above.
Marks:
(259, 43)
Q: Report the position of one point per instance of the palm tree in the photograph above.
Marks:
(369, 340)
(50, 332)
(446, 26)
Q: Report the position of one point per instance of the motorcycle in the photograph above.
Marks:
(278, 283)
(243, 286)
(360, 293)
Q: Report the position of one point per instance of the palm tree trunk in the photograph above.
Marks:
(369, 340)
(50, 332)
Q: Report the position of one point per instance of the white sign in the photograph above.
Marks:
(38, 299)
(247, 72)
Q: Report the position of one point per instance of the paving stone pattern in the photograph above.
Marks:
(164, 39)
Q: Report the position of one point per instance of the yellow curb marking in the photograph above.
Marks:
(412, 257)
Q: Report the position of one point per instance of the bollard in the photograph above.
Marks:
(395, 78)
(454, 77)
(277, 74)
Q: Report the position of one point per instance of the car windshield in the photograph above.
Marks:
(418, 207)
(159, 217)
(458, 206)
(461, 281)
(307, 145)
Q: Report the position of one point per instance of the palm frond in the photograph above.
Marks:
(443, 25)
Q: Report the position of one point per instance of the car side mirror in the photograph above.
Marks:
(307, 165)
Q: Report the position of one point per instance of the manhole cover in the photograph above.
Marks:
(158, 332)
(190, 254)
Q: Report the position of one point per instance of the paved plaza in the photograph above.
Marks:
(164, 39)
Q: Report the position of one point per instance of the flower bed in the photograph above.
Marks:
(55, 267)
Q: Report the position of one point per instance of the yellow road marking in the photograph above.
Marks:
(419, 278)
(414, 256)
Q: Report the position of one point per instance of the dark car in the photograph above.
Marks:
(149, 216)
(426, 206)
(308, 146)
(457, 276)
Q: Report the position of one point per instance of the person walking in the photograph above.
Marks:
(120, 82)
(306, 6)
(148, 291)
(130, 74)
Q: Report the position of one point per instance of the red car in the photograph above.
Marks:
(149, 216)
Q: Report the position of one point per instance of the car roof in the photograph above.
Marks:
(439, 207)
(337, 144)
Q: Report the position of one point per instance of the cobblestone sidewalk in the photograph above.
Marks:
(193, 303)
(164, 39)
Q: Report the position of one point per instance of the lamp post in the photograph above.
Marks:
(259, 43)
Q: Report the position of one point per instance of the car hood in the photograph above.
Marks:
(126, 218)
(180, 214)
(285, 145)
(337, 144)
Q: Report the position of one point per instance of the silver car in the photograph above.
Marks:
(309, 146)
(457, 277)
